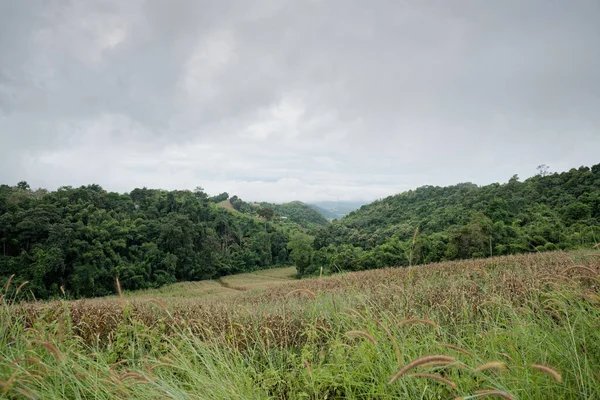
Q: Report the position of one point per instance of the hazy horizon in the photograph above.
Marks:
(306, 100)
(361, 201)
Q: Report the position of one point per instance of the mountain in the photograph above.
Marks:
(300, 213)
(430, 224)
(295, 211)
(330, 215)
(336, 209)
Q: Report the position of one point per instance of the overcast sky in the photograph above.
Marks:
(296, 100)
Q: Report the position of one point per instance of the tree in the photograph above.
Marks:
(199, 193)
(23, 185)
(577, 211)
(219, 198)
(300, 247)
(543, 170)
(266, 213)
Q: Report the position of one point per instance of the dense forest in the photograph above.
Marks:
(430, 224)
(81, 239)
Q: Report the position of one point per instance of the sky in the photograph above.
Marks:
(305, 100)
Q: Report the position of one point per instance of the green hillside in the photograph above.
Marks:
(429, 224)
(326, 213)
(80, 239)
(299, 213)
(295, 211)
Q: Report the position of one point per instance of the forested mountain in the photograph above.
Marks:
(300, 213)
(429, 224)
(295, 211)
(81, 239)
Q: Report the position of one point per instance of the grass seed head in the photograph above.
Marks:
(579, 267)
(119, 288)
(492, 365)
(304, 291)
(549, 371)
(133, 375)
(10, 278)
(412, 321)
(21, 286)
(308, 368)
(418, 362)
(459, 349)
(53, 349)
(434, 377)
(362, 334)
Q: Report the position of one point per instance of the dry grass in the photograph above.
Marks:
(497, 366)
(549, 371)
(344, 336)
(434, 377)
(427, 360)
(226, 204)
(363, 334)
(439, 289)
(226, 286)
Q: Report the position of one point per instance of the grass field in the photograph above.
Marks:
(517, 327)
(228, 286)
(226, 204)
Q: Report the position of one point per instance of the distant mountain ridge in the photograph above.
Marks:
(336, 209)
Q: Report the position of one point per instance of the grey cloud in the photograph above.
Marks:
(296, 99)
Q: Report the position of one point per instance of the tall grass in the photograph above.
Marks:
(497, 328)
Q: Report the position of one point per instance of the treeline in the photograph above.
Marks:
(81, 239)
(430, 224)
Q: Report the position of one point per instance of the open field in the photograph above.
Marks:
(227, 286)
(525, 327)
(226, 204)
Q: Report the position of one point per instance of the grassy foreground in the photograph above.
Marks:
(517, 327)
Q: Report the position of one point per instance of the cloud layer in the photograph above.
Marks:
(309, 100)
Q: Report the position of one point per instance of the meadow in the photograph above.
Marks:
(511, 327)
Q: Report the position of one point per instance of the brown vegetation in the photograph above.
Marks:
(415, 294)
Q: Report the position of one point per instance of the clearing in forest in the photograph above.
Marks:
(226, 286)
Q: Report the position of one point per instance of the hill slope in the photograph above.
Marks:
(295, 211)
(299, 213)
(78, 240)
(326, 213)
(431, 224)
